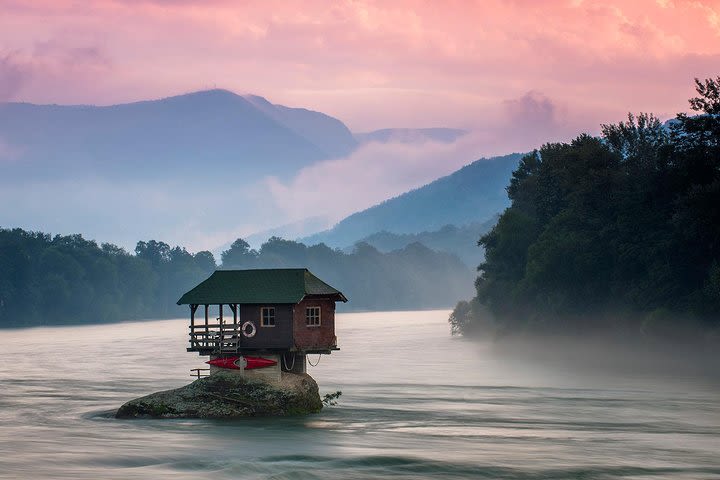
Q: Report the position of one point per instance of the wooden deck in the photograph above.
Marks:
(224, 336)
(215, 338)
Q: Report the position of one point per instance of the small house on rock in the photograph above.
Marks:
(274, 319)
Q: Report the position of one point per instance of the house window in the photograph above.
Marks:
(267, 317)
(312, 316)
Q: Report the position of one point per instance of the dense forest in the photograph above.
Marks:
(458, 240)
(412, 277)
(49, 280)
(620, 232)
(474, 193)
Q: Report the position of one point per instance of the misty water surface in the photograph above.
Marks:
(416, 403)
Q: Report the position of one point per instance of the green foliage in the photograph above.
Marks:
(408, 278)
(48, 280)
(468, 195)
(470, 319)
(238, 254)
(709, 99)
(330, 399)
(628, 222)
(459, 240)
(461, 318)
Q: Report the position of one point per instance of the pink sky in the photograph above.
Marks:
(568, 65)
(518, 73)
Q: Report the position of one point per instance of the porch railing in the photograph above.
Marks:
(217, 337)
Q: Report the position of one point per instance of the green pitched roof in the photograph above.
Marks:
(279, 285)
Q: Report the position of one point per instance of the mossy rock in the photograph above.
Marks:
(229, 395)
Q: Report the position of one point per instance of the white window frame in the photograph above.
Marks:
(309, 316)
(262, 317)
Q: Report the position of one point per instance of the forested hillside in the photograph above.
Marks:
(50, 280)
(457, 240)
(617, 232)
(410, 278)
(47, 280)
(475, 193)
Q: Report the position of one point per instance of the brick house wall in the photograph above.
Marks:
(310, 337)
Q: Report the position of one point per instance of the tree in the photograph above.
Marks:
(708, 100)
(205, 261)
(628, 222)
(239, 255)
(154, 252)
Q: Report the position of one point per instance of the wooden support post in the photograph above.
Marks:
(236, 334)
(193, 339)
(222, 333)
(207, 330)
(236, 318)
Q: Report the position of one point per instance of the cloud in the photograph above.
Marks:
(417, 63)
(64, 52)
(378, 171)
(175, 211)
(14, 75)
(532, 108)
(517, 73)
(536, 118)
(64, 63)
(373, 173)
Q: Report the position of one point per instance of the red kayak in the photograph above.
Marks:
(248, 363)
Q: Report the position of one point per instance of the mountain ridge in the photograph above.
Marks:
(217, 129)
(411, 135)
(473, 193)
(458, 240)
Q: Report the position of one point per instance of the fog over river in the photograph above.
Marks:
(416, 403)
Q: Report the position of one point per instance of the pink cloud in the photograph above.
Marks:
(372, 174)
(537, 119)
(517, 73)
(375, 64)
(378, 171)
(531, 108)
(13, 76)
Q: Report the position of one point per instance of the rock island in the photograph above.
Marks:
(258, 355)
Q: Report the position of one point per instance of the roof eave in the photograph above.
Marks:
(338, 297)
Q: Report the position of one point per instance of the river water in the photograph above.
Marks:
(416, 403)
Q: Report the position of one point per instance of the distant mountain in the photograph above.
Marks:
(210, 134)
(411, 135)
(458, 240)
(475, 193)
(328, 133)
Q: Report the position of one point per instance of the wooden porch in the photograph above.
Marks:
(216, 336)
